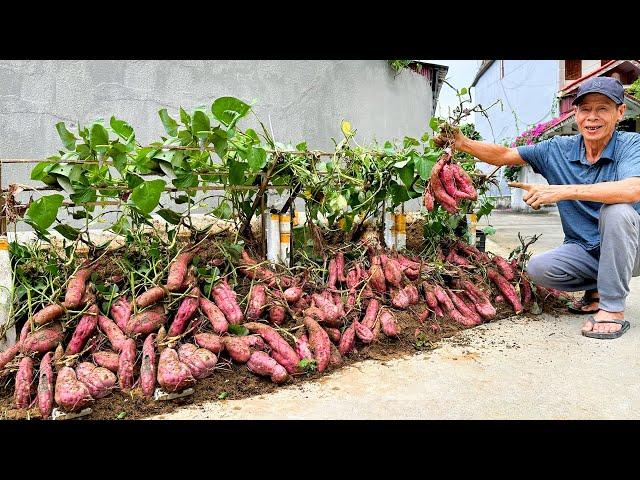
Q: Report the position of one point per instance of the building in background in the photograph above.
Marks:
(535, 102)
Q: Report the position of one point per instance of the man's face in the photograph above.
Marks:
(597, 116)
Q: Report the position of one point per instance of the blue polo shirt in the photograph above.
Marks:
(562, 160)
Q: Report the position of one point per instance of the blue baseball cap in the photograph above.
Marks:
(609, 86)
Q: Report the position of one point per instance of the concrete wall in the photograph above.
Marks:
(305, 100)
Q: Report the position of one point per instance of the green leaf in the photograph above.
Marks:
(238, 329)
(409, 142)
(257, 159)
(424, 167)
(463, 91)
(223, 395)
(68, 139)
(223, 210)
(43, 211)
(121, 226)
(236, 172)
(406, 174)
(229, 109)
(169, 124)
(170, 216)
(184, 181)
(80, 214)
(489, 230)
(133, 180)
(39, 173)
(83, 195)
(398, 193)
(98, 135)
(147, 195)
(433, 123)
(67, 231)
(121, 128)
(200, 122)
(388, 148)
(185, 118)
(301, 147)
(180, 199)
(119, 161)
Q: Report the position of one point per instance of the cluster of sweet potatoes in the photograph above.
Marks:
(448, 184)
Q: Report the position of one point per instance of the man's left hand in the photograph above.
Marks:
(538, 195)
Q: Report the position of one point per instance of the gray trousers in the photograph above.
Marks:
(570, 267)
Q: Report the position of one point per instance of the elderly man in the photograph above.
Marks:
(594, 177)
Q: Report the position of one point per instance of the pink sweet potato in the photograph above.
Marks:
(148, 366)
(353, 278)
(126, 363)
(84, 329)
(200, 361)
(108, 360)
(178, 270)
(348, 340)
(427, 199)
(302, 347)
(113, 333)
(277, 314)
(146, 322)
(400, 298)
(210, 341)
(448, 180)
(43, 340)
(454, 258)
(332, 312)
(237, 348)
(319, 343)
(292, 294)
(261, 363)
(215, 315)
(505, 268)
(249, 267)
(9, 354)
(377, 278)
(392, 271)
(186, 312)
(340, 267)
(335, 359)
(412, 293)
(525, 290)
(99, 380)
(254, 341)
(71, 394)
(257, 302)
(480, 299)
(363, 333)
(173, 375)
(432, 301)
(464, 183)
(334, 334)
(48, 314)
(225, 298)
(389, 323)
(472, 252)
(151, 296)
(121, 312)
(45, 385)
(506, 288)
(438, 188)
(24, 377)
(76, 288)
(371, 313)
(469, 314)
(443, 299)
(333, 274)
(281, 351)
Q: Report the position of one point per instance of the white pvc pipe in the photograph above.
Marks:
(285, 238)
(273, 237)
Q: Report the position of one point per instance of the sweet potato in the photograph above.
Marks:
(43, 340)
(225, 299)
(261, 363)
(332, 312)
(70, 393)
(9, 354)
(151, 296)
(333, 274)
(126, 362)
(302, 346)
(506, 288)
(146, 322)
(99, 380)
(392, 271)
(200, 361)
(277, 314)
(454, 258)
(319, 342)
(210, 341)
(525, 290)
(254, 341)
(121, 312)
(439, 192)
(178, 270)
(400, 299)
(389, 323)
(340, 267)
(301, 304)
(334, 333)
(185, 313)
(464, 183)
(424, 316)
(249, 267)
(215, 315)
(472, 252)
(412, 293)
(353, 278)
(363, 333)
(238, 350)
(448, 181)
(45, 385)
(427, 198)
(480, 299)
(377, 277)
(504, 267)
(469, 314)
(348, 340)
(499, 299)
(281, 351)
(57, 356)
(76, 288)
(24, 377)
(108, 360)
(148, 366)
(173, 375)
(432, 301)
(257, 302)
(292, 294)
(371, 313)
(84, 329)
(443, 299)
(335, 359)
(48, 314)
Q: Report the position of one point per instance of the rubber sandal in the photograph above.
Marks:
(607, 336)
(576, 307)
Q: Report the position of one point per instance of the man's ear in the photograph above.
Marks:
(621, 109)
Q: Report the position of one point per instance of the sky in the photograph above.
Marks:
(461, 74)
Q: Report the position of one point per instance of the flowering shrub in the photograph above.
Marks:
(535, 134)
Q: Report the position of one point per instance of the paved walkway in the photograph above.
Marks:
(515, 368)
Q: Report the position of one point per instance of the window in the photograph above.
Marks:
(572, 69)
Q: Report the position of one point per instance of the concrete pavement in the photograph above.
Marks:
(516, 368)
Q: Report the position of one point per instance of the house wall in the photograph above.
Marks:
(300, 100)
